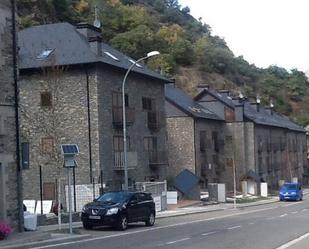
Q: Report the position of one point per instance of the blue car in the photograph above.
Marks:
(291, 191)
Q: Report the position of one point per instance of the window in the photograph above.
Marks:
(150, 144)
(49, 191)
(1, 125)
(117, 99)
(118, 143)
(203, 136)
(215, 141)
(148, 104)
(47, 145)
(46, 99)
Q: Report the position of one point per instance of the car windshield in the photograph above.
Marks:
(114, 197)
(289, 187)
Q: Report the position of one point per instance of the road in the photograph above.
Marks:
(262, 227)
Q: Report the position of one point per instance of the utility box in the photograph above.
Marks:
(264, 189)
(217, 192)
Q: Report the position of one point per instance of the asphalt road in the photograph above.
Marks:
(261, 227)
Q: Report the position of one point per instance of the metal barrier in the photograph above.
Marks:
(158, 191)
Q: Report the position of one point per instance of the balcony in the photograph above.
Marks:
(119, 160)
(157, 158)
(155, 120)
(117, 116)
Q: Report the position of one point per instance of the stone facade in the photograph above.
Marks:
(81, 104)
(64, 121)
(9, 193)
(137, 88)
(195, 144)
(272, 151)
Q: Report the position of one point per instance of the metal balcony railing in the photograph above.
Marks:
(119, 160)
(157, 158)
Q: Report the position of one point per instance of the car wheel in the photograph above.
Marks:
(151, 219)
(87, 225)
(122, 223)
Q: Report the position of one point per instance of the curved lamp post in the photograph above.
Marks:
(150, 54)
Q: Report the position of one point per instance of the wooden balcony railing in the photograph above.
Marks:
(157, 158)
(119, 160)
(117, 116)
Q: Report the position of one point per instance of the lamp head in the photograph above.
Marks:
(258, 99)
(153, 53)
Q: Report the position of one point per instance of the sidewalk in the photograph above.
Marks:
(45, 235)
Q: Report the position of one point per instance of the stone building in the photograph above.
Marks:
(265, 145)
(10, 194)
(70, 88)
(195, 138)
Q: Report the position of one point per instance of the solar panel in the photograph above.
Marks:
(69, 149)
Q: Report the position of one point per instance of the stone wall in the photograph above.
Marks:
(137, 87)
(8, 168)
(181, 146)
(64, 122)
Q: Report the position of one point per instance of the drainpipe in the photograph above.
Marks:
(195, 151)
(89, 127)
(19, 175)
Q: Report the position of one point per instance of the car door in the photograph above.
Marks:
(143, 202)
(133, 208)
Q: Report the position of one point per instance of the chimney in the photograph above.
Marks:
(239, 112)
(256, 106)
(89, 31)
(225, 93)
(201, 87)
(258, 102)
(93, 35)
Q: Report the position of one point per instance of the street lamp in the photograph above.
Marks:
(150, 54)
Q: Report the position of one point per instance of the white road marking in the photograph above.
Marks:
(293, 242)
(251, 223)
(235, 227)
(295, 212)
(154, 228)
(304, 210)
(270, 218)
(283, 215)
(210, 233)
(176, 241)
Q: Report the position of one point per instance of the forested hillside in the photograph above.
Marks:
(189, 51)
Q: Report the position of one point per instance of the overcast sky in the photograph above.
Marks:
(265, 32)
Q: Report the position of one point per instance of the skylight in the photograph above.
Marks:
(44, 54)
(111, 55)
(133, 61)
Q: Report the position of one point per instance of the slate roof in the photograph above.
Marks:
(184, 102)
(69, 48)
(262, 117)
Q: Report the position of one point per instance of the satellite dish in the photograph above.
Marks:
(97, 23)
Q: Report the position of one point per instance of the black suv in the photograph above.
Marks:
(118, 209)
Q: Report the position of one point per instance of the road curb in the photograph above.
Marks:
(30, 245)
